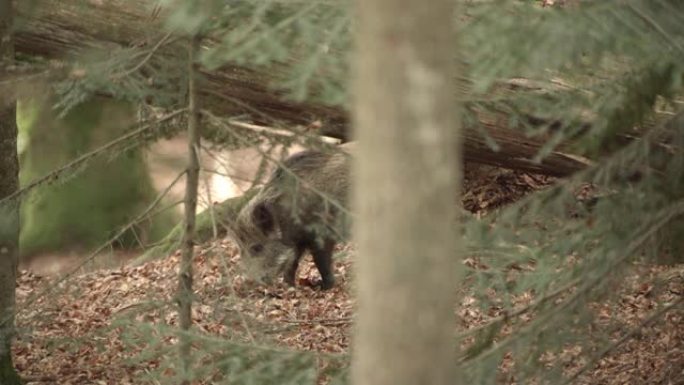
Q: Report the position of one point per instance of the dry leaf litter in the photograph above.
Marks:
(69, 335)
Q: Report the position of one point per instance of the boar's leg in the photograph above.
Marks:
(291, 270)
(322, 256)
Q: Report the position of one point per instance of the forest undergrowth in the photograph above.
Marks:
(116, 326)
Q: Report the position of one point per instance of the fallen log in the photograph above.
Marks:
(58, 28)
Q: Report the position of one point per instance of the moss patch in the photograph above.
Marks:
(86, 210)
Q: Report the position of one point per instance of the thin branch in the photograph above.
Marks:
(324, 321)
(226, 175)
(217, 121)
(540, 301)
(278, 127)
(210, 205)
(633, 332)
(48, 379)
(154, 49)
(185, 274)
(280, 132)
(653, 24)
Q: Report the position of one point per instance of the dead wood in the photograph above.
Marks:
(59, 28)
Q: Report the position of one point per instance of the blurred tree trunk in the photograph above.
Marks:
(9, 212)
(82, 212)
(406, 179)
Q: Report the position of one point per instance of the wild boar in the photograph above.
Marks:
(302, 207)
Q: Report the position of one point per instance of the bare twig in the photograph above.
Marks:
(632, 333)
(217, 121)
(552, 295)
(323, 321)
(48, 379)
(149, 55)
(185, 274)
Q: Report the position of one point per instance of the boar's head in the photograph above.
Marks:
(263, 252)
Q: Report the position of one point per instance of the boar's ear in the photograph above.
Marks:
(263, 218)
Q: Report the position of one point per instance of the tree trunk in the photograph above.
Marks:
(406, 181)
(60, 26)
(190, 208)
(9, 213)
(82, 212)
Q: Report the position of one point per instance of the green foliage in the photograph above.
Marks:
(604, 62)
(600, 73)
(225, 359)
(305, 38)
(617, 66)
(141, 75)
(607, 75)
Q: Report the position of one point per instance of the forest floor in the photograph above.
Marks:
(115, 326)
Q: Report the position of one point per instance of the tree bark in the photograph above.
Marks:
(406, 181)
(58, 27)
(9, 213)
(82, 212)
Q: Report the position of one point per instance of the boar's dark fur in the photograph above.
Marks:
(302, 207)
